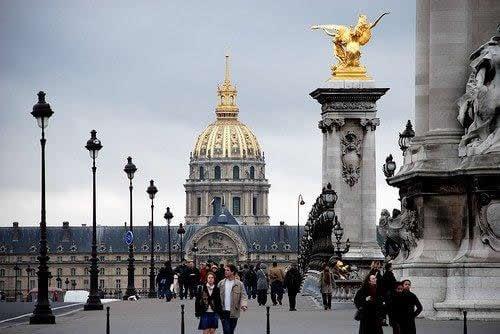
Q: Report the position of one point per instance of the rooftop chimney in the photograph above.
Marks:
(66, 232)
(84, 225)
(15, 232)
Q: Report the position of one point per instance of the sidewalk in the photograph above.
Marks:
(157, 316)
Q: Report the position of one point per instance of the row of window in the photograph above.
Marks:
(218, 173)
(217, 206)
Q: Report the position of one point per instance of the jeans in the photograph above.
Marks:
(327, 300)
(276, 292)
(262, 297)
(228, 323)
(292, 298)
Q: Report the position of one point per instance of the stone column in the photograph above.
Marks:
(348, 123)
(422, 68)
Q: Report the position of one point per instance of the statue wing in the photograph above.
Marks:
(379, 18)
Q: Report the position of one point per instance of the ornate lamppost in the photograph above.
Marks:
(42, 314)
(168, 216)
(58, 279)
(300, 201)
(180, 232)
(152, 190)
(67, 283)
(16, 272)
(130, 169)
(338, 231)
(194, 249)
(406, 136)
(93, 301)
(389, 167)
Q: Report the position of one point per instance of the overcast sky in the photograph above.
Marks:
(144, 74)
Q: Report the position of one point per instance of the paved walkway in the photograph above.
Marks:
(155, 316)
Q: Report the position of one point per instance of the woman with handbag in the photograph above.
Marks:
(369, 303)
(208, 305)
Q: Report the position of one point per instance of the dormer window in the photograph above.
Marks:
(274, 246)
(145, 248)
(33, 249)
(72, 248)
(60, 249)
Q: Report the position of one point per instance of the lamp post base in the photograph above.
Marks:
(42, 316)
(93, 304)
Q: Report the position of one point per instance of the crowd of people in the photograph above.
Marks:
(222, 291)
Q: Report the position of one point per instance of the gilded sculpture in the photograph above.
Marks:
(347, 43)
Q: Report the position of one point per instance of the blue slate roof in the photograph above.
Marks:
(78, 239)
(225, 218)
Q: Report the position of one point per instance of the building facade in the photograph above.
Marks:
(227, 167)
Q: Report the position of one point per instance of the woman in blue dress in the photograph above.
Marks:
(208, 305)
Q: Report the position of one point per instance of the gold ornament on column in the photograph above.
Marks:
(347, 42)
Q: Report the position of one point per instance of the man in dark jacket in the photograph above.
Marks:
(193, 279)
(161, 282)
(411, 308)
(251, 282)
(293, 280)
(183, 278)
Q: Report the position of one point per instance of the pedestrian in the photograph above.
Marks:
(243, 275)
(251, 282)
(193, 279)
(326, 283)
(276, 276)
(369, 305)
(233, 299)
(395, 307)
(387, 285)
(220, 272)
(183, 274)
(411, 309)
(214, 268)
(208, 305)
(203, 273)
(262, 284)
(161, 282)
(175, 286)
(293, 280)
(169, 276)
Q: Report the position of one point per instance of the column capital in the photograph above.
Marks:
(369, 123)
(328, 124)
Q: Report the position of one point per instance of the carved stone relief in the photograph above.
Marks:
(351, 158)
(347, 105)
(369, 123)
(328, 124)
(489, 221)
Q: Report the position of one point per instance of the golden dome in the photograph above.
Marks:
(227, 137)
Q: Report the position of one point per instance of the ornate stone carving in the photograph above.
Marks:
(400, 232)
(351, 158)
(369, 123)
(334, 106)
(217, 241)
(479, 107)
(489, 221)
(328, 124)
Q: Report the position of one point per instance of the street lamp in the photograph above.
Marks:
(338, 231)
(389, 167)
(180, 232)
(67, 283)
(168, 216)
(58, 279)
(130, 169)
(73, 284)
(152, 190)
(406, 136)
(300, 201)
(42, 314)
(93, 301)
(16, 272)
(194, 250)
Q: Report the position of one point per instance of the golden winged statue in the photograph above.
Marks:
(347, 42)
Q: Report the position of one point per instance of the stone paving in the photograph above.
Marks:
(156, 316)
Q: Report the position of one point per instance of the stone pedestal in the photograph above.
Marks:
(348, 123)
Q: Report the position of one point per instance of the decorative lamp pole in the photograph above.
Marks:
(406, 136)
(152, 190)
(194, 250)
(42, 314)
(58, 279)
(180, 232)
(130, 169)
(93, 301)
(338, 231)
(300, 201)
(168, 216)
(16, 272)
(67, 283)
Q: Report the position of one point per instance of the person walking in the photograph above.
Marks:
(161, 282)
(326, 283)
(233, 299)
(262, 284)
(208, 305)
(203, 273)
(276, 276)
(387, 286)
(395, 307)
(169, 280)
(220, 272)
(369, 303)
(183, 279)
(193, 279)
(411, 307)
(251, 282)
(293, 280)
